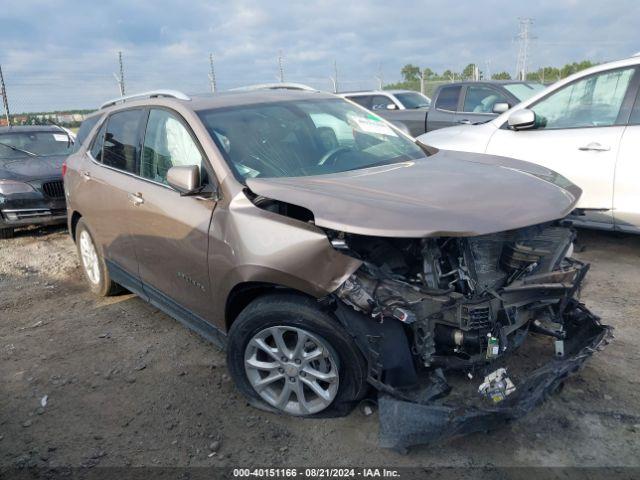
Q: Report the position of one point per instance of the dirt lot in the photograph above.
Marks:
(128, 385)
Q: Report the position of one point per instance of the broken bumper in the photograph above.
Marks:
(404, 423)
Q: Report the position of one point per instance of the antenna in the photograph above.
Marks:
(5, 101)
(524, 38)
(120, 79)
(280, 67)
(212, 74)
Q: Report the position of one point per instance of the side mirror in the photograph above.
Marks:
(392, 106)
(522, 119)
(184, 178)
(500, 107)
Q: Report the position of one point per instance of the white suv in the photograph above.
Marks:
(585, 127)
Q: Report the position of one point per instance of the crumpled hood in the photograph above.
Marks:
(447, 194)
(31, 168)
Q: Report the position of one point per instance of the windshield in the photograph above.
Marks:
(413, 99)
(27, 144)
(522, 91)
(304, 137)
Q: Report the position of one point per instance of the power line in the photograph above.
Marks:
(212, 74)
(5, 101)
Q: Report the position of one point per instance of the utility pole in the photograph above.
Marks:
(334, 79)
(281, 67)
(379, 77)
(5, 101)
(524, 40)
(422, 82)
(212, 74)
(120, 78)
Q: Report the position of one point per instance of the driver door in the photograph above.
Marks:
(171, 232)
(579, 136)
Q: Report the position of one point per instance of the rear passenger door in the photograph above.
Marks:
(170, 231)
(442, 114)
(106, 181)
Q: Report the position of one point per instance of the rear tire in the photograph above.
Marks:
(6, 233)
(92, 263)
(319, 361)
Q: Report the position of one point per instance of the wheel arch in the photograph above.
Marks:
(242, 294)
(73, 223)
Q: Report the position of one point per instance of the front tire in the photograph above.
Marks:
(6, 233)
(93, 265)
(288, 356)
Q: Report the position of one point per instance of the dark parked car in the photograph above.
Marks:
(476, 102)
(31, 188)
(406, 109)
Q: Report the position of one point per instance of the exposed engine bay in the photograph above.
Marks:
(466, 300)
(465, 304)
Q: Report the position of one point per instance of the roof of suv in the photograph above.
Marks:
(226, 99)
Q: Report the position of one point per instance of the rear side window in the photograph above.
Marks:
(96, 148)
(122, 140)
(448, 98)
(85, 128)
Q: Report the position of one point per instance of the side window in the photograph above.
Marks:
(362, 100)
(98, 142)
(481, 99)
(448, 98)
(167, 143)
(122, 140)
(85, 128)
(380, 102)
(634, 119)
(594, 101)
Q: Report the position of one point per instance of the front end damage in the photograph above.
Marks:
(445, 325)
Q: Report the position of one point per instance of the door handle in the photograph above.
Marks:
(465, 121)
(135, 198)
(594, 147)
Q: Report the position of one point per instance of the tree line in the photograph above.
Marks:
(412, 74)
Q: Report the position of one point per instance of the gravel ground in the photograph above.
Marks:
(127, 385)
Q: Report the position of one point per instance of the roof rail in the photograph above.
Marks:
(149, 94)
(276, 86)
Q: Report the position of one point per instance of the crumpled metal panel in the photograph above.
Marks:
(404, 424)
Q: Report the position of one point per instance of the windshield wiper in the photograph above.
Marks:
(18, 149)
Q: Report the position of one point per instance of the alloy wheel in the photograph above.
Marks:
(292, 369)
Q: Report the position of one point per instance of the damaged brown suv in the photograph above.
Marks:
(334, 257)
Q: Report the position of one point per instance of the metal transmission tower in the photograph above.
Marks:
(5, 100)
(524, 39)
(120, 78)
(379, 77)
(334, 79)
(280, 67)
(212, 74)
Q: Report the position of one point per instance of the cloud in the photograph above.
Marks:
(63, 54)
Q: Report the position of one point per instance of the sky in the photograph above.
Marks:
(63, 54)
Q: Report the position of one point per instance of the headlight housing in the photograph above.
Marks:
(7, 187)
